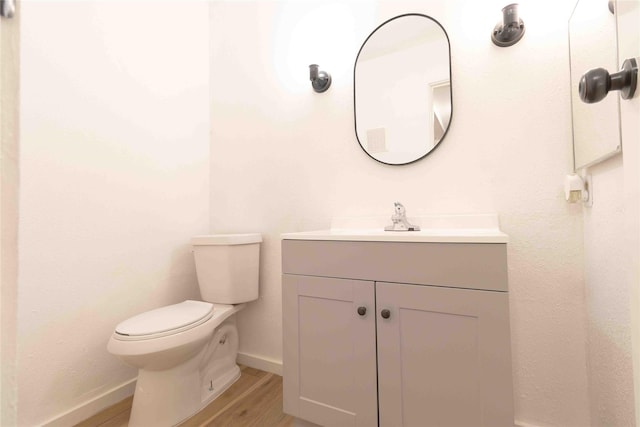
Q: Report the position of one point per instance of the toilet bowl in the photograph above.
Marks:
(186, 352)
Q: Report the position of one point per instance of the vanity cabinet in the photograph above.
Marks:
(396, 334)
(330, 364)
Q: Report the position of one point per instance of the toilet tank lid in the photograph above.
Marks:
(226, 239)
(165, 319)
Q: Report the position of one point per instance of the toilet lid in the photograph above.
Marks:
(167, 320)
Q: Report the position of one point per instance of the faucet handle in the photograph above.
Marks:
(399, 220)
(399, 210)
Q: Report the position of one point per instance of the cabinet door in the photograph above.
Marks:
(329, 359)
(444, 357)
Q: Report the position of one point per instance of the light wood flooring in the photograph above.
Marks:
(254, 400)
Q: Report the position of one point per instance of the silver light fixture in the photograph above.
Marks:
(595, 84)
(510, 30)
(320, 80)
(7, 8)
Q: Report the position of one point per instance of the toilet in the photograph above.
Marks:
(186, 352)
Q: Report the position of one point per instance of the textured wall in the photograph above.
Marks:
(286, 159)
(9, 79)
(611, 256)
(607, 289)
(114, 182)
(628, 46)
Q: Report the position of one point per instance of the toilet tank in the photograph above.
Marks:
(227, 267)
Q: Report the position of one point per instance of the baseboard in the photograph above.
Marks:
(523, 424)
(86, 410)
(260, 362)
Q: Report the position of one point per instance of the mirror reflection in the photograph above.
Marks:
(593, 44)
(402, 89)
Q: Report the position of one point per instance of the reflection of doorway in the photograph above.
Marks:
(440, 108)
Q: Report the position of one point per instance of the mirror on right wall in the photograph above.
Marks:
(593, 44)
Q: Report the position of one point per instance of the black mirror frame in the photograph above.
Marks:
(355, 115)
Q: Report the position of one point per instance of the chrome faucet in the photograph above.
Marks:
(399, 220)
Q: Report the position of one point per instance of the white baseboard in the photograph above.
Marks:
(260, 362)
(111, 397)
(91, 407)
(126, 389)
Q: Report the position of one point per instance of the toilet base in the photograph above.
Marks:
(218, 386)
(168, 397)
(172, 404)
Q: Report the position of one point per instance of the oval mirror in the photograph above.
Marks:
(402, 89)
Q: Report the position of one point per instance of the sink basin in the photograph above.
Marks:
(482, 228)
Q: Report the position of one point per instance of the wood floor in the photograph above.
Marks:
(254, 400)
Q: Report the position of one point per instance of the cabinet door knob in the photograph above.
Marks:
(385, 313)
(362, 310)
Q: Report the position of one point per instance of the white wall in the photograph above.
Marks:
(9, 78)
(611, 256)
(114, 181)
(284, 158)
(629, 46)
(607, 288)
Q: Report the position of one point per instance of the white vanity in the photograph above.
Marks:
(398, 328)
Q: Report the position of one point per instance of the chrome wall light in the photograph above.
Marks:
(7, 8)
(320, 80)
(510, 30)
(597, 83)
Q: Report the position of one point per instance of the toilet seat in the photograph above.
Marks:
(164, 321)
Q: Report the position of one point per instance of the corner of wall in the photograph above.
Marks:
(84, 411)
(9, 72)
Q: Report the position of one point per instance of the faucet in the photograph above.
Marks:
(399, 220)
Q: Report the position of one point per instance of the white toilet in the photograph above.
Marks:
(186, 352)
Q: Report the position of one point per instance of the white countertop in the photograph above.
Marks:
(434, 229)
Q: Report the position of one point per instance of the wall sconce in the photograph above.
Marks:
(577, 189)
(320, 80)
(597, 83)
(7, 8)
(510, 30)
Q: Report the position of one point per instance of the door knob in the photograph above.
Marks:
(385, 313)
(595, 84)
(362, 311)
